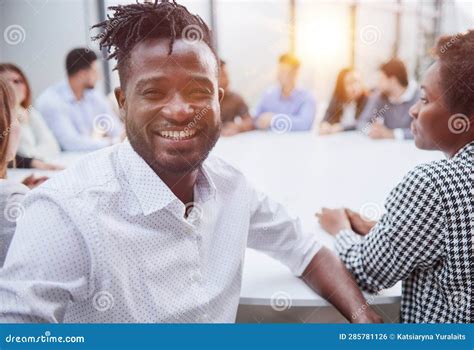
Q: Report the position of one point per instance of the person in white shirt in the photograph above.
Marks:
(152, 229)
(36, 140)
(11, 192)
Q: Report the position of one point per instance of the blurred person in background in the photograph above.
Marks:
(11, 192)
(347, 103)
(385, 115)
(80, 116)
(286, 106)
(234, 111)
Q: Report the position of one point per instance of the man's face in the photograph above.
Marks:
(286, 74)
(91, 75)
(171, 104)
(384, 84)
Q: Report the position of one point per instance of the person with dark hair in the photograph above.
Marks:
(36, 139)
(80, 117)
(425, 238)
(347, 103)
(285, 107)
(234, 111)
(385, 115)
(154, 229)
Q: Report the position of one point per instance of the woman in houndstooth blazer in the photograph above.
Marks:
(425, 237)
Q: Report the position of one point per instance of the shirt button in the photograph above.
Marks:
(196, 277)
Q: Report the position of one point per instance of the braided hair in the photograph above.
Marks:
(133, 23)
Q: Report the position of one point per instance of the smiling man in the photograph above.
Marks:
(154, 230)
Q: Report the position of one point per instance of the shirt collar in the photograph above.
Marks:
(152, 193)
(67, 91)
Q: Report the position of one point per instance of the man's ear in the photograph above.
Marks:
(120, 96)
(221, 94)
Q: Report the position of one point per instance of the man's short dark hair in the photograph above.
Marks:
(79, 59)
(455, 54)
(131, 24)
(396, 68)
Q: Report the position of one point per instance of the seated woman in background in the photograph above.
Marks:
(11, 193)
(37, 143)
(425, 238)
(347, 103)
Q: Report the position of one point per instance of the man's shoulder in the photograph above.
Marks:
(94, 171)
(50, 95)
(221, 170)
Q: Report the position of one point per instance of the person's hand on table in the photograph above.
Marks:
(33, 181)
(359, 224)
(230, 129)
(39, 164)
(379, 131)
(264, 120)
(333, 220)
(327, 129)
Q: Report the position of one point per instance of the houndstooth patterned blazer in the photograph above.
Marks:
(425, 240)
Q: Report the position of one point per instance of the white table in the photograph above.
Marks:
(305, 172)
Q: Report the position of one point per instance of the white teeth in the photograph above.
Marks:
(178, 135)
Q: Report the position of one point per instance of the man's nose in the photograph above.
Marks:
(177, 110)
(413, 111)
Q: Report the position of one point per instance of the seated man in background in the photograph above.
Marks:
(425, 238)
(385, 115)
(79, 116)
(154, 229)
(284, 105)
(234, 111)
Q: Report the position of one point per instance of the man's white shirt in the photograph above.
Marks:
(107, 241)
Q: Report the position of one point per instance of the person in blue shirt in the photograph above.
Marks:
(285, 107)
(79, 116)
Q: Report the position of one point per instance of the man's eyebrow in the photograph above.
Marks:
(201, 79)
(154, 79)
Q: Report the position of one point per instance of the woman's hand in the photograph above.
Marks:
(333, 220)
(359, 224)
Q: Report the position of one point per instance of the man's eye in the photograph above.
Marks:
(152, 92)
(424, 100)
(200, 91)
